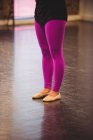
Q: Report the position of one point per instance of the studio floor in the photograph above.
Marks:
(21, 117)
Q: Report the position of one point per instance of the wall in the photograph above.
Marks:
(73, 7)
(86, 10)
(6, 9)
(24, 9)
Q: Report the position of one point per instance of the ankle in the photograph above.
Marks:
(47, 88)
(54, 92)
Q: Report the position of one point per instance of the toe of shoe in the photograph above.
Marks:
(33, 97)
(48, 99)
(36, 96)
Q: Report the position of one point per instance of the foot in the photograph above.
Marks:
(53, 93)
(44, 92)
(52, 96)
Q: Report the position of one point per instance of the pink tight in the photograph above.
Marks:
(50, 38)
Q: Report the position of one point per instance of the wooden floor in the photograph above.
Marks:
(22, 118)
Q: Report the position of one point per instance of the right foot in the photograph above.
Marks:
(41, 94)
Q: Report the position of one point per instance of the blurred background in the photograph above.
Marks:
(22, 11)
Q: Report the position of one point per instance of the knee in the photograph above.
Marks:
(46, 52)
(55, 52)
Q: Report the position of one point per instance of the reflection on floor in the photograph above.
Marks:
(22, 118)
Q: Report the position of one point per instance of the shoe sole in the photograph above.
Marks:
(52, 100)
(39, 97)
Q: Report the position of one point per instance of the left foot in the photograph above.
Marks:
(41, 93)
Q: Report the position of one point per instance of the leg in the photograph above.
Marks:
(47, 64)
(55, 30)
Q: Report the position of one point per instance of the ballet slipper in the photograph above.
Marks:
(41, 94)
(51, 97)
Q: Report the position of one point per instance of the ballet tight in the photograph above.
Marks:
(50, 38)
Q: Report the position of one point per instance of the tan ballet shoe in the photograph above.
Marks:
(52, 97)
(41, 94)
